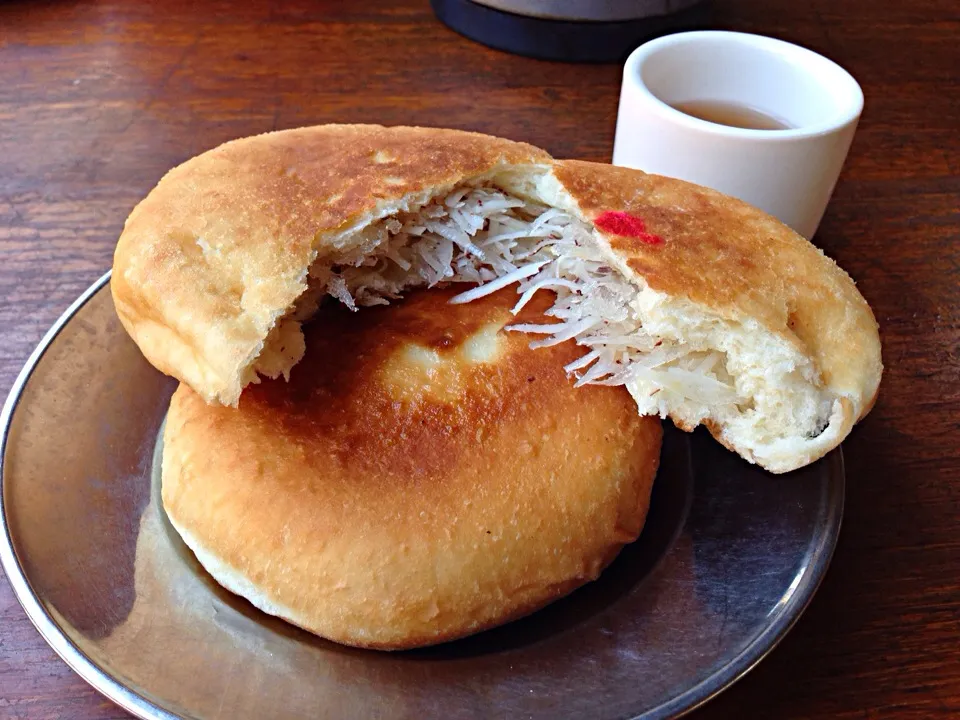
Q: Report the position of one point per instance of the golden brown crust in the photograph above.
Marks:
(421, 477)
(219, 249)
(740, 263)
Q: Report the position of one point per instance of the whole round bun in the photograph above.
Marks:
(424, 475)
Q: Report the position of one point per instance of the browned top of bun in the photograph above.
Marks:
(211, 264)
(267, 207)
(422, 476)
(724, 254)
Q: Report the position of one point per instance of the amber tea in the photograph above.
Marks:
(731, 114)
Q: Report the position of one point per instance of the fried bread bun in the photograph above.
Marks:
(422, 476)
(706, 309)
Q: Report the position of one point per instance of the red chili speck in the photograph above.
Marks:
(617, 222)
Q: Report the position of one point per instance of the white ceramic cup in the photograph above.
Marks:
(788, 173)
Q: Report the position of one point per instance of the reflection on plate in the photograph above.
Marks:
(728, 559)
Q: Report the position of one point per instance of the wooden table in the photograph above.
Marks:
(98, 99)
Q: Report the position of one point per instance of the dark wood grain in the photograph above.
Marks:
(98, 99)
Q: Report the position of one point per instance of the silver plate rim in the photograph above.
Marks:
(98, 678)
(51, 632)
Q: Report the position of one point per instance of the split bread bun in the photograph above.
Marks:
(423, 475)
(706, 309)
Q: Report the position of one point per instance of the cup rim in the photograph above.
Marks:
(636, 59)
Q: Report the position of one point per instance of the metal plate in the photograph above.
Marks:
(728, 561)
